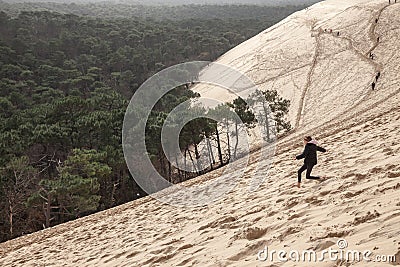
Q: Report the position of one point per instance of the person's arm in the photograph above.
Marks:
(302, 155)
(321, 149)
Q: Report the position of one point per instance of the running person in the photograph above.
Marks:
(310, 158)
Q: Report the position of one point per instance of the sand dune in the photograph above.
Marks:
(328, 79)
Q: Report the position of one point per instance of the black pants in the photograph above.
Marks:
(308, 173)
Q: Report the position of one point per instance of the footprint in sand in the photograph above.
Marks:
(158, 259)
(167, 250)
(185, 262)
(368, 217)
(248, 251)
(132, 254)
(297, 215)
(291, 203)
(324, 193)
(314, 200)
(324, 245)
(114, 257)
(186, 246)
(249, 233)
(393, 174)
(221, 223)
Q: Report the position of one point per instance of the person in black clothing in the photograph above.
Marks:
(373, 85)
(371, 56)
(378, 75)
(310, 158)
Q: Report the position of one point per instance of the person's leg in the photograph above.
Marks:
(300, 171)
(308, 174)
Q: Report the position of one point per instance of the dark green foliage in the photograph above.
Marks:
(75, 191)
(245, 117)
(260, 14)
(275, 110)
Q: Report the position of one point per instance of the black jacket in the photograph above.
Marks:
(310, 154)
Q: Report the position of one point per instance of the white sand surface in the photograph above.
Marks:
(328, 79)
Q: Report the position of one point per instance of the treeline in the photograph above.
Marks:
(65, 82)
(206, 143)
(264, 15)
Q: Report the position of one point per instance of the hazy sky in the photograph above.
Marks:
(180, 2)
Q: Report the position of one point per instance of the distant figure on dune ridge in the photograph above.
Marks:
(377, 76)
(310, 158)
(373, 85)
(371, 56)
(376, 20)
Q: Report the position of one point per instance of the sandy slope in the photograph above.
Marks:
(328, 80)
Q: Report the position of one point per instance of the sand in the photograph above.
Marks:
(328, 79)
